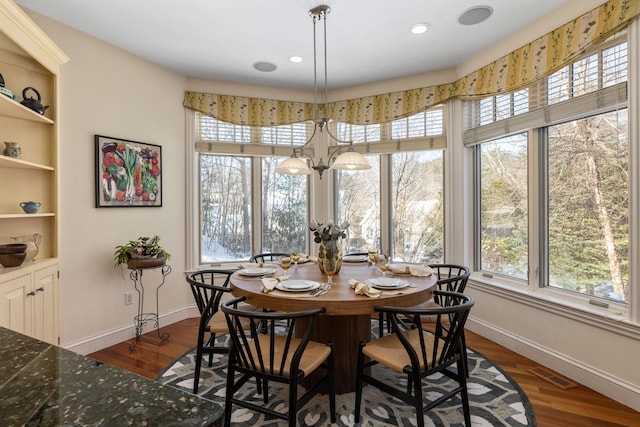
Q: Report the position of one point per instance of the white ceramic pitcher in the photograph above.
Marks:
(32, 242)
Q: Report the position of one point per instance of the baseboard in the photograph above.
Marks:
(602, 382)
(108, 338)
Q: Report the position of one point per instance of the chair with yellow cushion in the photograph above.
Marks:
(208, 288)
(270, 353)
(419, 352)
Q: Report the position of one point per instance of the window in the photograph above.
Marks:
(410, 165)
(605, 68)
(588, 215)
(429, 123)
(210, 129)
(226, 209)
(499, 107)
(358, 202)
(503, 206)
(357, 133)
(244, 206)
(552, 197)
(416, 206)
(284, 209)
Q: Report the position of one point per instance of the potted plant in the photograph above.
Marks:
(141, 253)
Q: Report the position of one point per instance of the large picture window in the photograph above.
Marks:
(588, 213)
(552, 199)
(417, 206)
(225, 208)
(245, 207)
(503, 206)
(359, 204)
(284, 209)
(405, 185)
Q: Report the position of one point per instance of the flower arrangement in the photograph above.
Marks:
(144, 247)
(328, 231)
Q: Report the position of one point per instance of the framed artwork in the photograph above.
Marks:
(128, 173)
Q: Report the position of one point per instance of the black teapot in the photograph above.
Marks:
(32, 103)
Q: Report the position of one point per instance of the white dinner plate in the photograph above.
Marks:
(258, 271)
(297, 285)
(355, 258)
(387, 283)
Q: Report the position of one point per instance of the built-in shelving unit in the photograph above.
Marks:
(29, 59)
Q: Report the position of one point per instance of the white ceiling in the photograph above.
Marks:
(367, 40)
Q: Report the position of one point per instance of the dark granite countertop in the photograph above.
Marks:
(45, 385)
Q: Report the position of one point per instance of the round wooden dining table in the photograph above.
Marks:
(347, 319)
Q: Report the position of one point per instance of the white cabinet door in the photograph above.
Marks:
(45, 304)
(16, 303)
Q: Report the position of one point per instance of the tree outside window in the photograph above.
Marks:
(503, 206)
(588, 166)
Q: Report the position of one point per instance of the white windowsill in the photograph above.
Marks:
(612, 319)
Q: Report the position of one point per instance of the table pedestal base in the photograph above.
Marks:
(345, 332)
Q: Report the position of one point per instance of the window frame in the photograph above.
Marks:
(535, 291)
(385, 148)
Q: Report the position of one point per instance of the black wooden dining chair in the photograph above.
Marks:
(265, 257)
(419, 353)
(450, 277)
(208, 288)
(271, 355)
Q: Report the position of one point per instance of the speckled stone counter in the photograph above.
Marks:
(44, 385)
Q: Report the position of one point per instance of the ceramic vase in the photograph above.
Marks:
(12, 149)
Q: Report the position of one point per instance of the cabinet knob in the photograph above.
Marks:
(32, 293)
(40, 289)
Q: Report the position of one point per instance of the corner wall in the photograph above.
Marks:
(107, 91)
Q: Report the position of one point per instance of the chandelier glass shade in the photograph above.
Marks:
(351, 160)
(348, 160)
(294, 166)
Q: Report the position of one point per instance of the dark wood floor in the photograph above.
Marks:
(553, 406)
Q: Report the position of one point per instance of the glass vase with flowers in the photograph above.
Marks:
(329, 236)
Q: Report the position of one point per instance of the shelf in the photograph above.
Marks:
(11, 108)
(7, 273)
(12, 162)
(26, 215)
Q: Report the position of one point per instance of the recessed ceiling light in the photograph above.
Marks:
(475, 15)
(420, 28)
(295, 59)
(265, 67)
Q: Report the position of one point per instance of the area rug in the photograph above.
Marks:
(495, 399)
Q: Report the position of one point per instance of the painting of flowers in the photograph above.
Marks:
(128, 173)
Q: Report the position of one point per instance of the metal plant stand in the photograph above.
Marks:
(142, 318)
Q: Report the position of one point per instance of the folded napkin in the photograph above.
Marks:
(362, 288)
(414, 269)
(269, 283)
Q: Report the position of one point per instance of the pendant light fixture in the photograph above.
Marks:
(349, 159)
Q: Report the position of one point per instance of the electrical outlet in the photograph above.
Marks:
(128, 298)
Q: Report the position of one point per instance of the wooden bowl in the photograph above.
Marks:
(12, 260)
(13, 248)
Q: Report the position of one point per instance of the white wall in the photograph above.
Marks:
(107, 91)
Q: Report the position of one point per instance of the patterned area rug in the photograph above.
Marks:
(495, 399)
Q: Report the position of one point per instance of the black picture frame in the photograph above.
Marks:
(128, 173)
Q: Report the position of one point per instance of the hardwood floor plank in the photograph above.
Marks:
(553, 406)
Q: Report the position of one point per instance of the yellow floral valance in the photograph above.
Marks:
(514, 71)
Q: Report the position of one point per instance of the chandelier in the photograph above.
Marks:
(347, 160)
